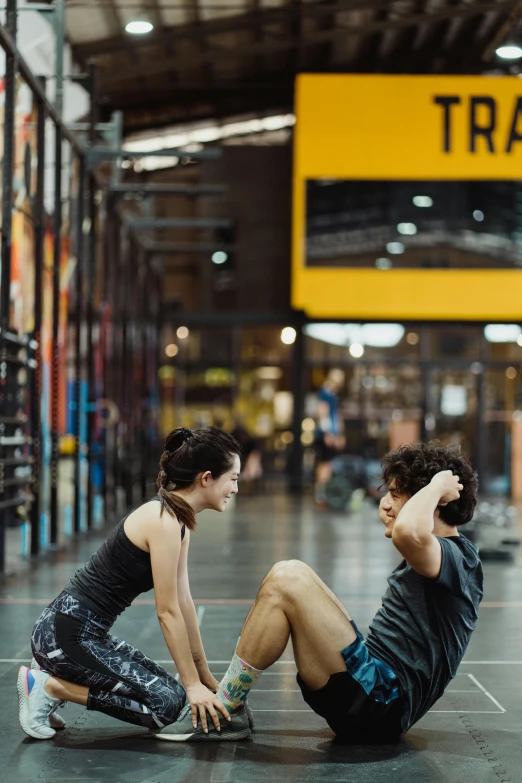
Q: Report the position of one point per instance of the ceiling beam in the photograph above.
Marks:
(257, 37)
(207, 65)
(115, 23)
(401, 47)
(175, 248)
(464, 48)
(163, 115)
(367, 57)
(157, 20)
(166, 189)
(173, 223)
(112, 18)
(155, 68)
(175, 268)
(241, 21)
(280, 87)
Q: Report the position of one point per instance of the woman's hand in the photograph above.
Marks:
(210, 682)
(202, 700)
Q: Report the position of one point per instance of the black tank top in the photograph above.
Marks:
(117, 573)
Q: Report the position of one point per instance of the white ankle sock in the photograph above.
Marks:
(237, 682)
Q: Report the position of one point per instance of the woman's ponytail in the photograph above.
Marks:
(176, 506)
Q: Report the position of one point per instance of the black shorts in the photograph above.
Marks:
(324, 453)
(362, 705)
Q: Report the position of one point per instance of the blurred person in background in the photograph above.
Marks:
(251, 465)
(329, 440)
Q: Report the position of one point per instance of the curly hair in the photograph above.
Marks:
(412, 467)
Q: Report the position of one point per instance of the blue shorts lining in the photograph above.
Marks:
(377, 679)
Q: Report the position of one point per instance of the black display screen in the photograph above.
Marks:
(471, 224)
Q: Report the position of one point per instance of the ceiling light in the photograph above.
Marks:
(383, 263)
(139, 27)
(423, 201)
(288, 335)
(502, 333)
(308, 424)
(172, 350)
(174, 138)
(382, 335)
(219, 257)
(409, 229)
(269, 373)
(182, 332)
(356, 350)
(509, 52)
(375, 335)
(395, 248)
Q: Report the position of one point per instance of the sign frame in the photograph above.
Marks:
(366, 127)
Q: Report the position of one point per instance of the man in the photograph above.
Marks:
(329, 440)
(375, 690)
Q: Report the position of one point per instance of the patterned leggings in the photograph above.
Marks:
(72, 642)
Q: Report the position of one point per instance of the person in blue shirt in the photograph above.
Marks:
(329, 438)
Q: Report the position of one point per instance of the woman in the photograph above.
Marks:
(76, 657)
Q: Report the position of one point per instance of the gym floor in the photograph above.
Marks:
(472, 734)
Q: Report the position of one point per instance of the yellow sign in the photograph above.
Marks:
(423, 128)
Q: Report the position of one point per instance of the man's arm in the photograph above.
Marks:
(412, 532)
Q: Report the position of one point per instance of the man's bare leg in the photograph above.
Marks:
(294, 602)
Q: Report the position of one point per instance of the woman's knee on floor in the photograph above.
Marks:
(166, 703)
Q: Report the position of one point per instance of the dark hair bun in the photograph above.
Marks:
(177, 439)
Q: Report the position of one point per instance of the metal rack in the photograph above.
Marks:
(115, 318)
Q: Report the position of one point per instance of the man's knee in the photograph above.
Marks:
(288, 577)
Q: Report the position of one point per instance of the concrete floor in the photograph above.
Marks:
(472, 734)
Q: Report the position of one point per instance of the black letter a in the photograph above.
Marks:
(514, 135)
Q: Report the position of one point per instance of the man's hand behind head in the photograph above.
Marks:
(448, 485)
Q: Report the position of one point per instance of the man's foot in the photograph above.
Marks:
(34, 704)
(182, 729)
(55, 721)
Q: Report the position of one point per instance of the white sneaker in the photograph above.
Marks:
(56, 721)
(34, 704)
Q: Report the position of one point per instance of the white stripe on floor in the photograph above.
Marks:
(486, 693)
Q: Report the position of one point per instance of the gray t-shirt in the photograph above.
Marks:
(424, 625)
